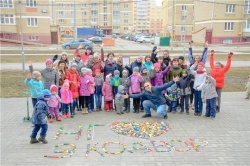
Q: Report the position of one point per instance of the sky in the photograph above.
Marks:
(158, 2)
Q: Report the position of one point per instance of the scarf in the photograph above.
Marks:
(110, 61)
(200, 71)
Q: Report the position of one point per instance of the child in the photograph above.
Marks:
(115, 81)
(182, 62)
(209, 95)
(107, 92)
(158, 80)
(67, 100)
(74, 84)
(98, 89)
(199, 80)
(185, 90)
(135, 88)
(148, 64)
(35, 84)
(92, 91)
(173, 96)
(40, 112)
(248, 88)
(175, 70)
(125, 81)
(119, 100)
(85, 81)
(53, 104)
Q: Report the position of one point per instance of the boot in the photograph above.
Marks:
(84, 111)
(50, 120)
(58, 118)
(42, 139)
(33, 140)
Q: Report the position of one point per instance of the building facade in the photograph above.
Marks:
(155, 19)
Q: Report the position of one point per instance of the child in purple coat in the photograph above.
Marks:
(158, 80)
(135, 87)
(53, 104)
(84, 90)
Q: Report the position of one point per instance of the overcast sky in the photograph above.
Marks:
(158, 2)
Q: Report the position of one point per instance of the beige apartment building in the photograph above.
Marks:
(155, 19)
(35, 21)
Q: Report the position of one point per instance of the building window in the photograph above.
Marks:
(116, 21)
(183, 29)
(229, 26)
(93, 13)
(183, 7)
(7, 19)
(116, 13)
(246, 26)
(84, 13)
(60, 13)
(84, 5)
(104, 17)
(125, 28)
(33, 38)
(71, 12)
(104, 2)
(125, 5)
(126, 21)
(93, 5)
(72, 21)
(60, 4)
(126, 14)
(116, 27)
(93, 20)
(230, 9)
(61, 28)
(247, 7)
(30, 3)
(32, 22)
(105, 24)
(61, 20)
(116, 5)
(6, 4)
(227, 41)
(84, 20)
(105, 9)
(72, 5)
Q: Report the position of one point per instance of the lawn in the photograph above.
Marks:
(12, 81)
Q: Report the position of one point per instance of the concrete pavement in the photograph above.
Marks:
(227, 136)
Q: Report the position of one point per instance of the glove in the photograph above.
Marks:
(55, 58)
(230, 54)
(154, 48)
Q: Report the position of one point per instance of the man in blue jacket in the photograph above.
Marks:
(154, 98)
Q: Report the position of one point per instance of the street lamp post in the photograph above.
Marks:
(21, 35)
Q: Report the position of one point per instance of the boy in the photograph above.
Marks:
(125, 81)
(119, 100)
(41, 110)
(98, 89)
(173, 96)
(175, 70)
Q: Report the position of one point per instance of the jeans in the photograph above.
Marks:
(65, 108)
(37, 128)
(127, 104)
(160, 110)
(211, 107)
(34, 101)
(74, 104)
(185, 99)
(98, 100)
(136, 103)
(218, 90)
(198, 105)
(91, 102)
(172, 106)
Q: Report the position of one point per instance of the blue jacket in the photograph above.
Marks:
(156, 95)
(41, 111)
(36, 87)
(133, 65)
(109, 68)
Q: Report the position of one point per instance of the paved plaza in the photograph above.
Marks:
(228, 137)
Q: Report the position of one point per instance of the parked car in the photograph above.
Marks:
(152, 40)
(144, 39)
(114, 36)
(137, 37)
(75, 43)
(96, 39)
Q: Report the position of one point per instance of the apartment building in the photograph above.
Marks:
(35, 21)
(155, 19)
(141, 16)
(218, 23)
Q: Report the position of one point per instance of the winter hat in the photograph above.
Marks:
(61, 61)
(157, 65)
(73, 64)
(36, 74)
(181, 57)
(48, 61)
(90, 48)
(201, 64)
(140, 57)
(116, 72)
(64, 53)
(136, 69)
(96, 55)
(83, 69)
(184, 71)
(97, 70)
(174, 86)
(53, 88)
(46, 93)
(120, 88)
(143, 69)
(89, 71)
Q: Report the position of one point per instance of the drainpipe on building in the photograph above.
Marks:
(75, 28)
(21, 35)
(172, 36)
(242, 24)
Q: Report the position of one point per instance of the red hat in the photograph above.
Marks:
(97, 70)
(53, 88)
(201, 64)
(157, 65)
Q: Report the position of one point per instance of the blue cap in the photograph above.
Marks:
(46, 93)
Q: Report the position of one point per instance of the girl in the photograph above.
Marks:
(158, 80)
(92, 91)
(85, 81)
(148, 63)
(53, 104)
(61, 69)
(67, 100)
(107, 92)
(135, 87)
(64, 57)
(85, 55)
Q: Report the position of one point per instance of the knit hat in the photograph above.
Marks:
(116, 72)
(181, 57)
(124, 71)
(96, 55)
(61, 61)
(53, 88)
(97, 70)
(120, 88)
(184, 71)
(90, 48)
(143, 69)
(201, 64)
(157, 65)
(48, 61)
(73, 64)
(89, 71)
(174, 86)
(140, 57)
(136, 69)
(64, 53)
(83, 69)
(36, 74)
(46, 93)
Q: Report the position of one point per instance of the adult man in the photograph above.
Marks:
(154, 98)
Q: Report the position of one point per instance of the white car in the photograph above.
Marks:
(144, 39)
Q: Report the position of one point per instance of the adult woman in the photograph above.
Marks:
(61, 69)
(218, 72)
(110, 65)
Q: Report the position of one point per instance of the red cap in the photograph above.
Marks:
(53, 88)
(201, 64)
(97, 70)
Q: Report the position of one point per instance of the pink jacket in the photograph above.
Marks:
(84, 86)
(54, 101)
(135, 86)
(66, 96)
(107, 91)
(91, 86)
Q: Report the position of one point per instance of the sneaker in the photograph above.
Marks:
(246, 97)
(64, 116)
(173, 112)
(97, 109)
(89, 111)
(168, 111)
(134, 111)
(122, 112)
(195, 114)
(165, 117)
(146, 115)
(141, 110)
(187, 112)
(72, 116)
(181, 111)
(67, 115)
(206, 116)
(93, 110)
(128, 111)
(100, 108)
(50, 120)
(212, 117)
(118, 113)
(58, 118)
(199, 114)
